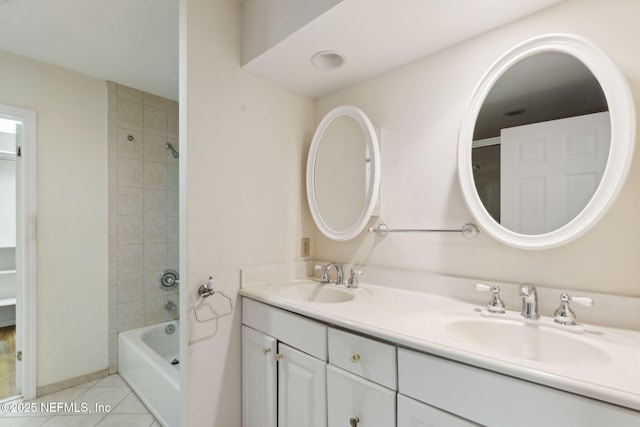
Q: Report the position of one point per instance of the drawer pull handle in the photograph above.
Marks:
(354, 421)
(355, 358)
(266, 350)
(279, 357)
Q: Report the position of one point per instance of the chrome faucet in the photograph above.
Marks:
(324, 277)
(529, 302)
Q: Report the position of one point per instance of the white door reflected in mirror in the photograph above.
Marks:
(549, 171)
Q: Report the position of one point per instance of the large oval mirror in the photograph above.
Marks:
(343, 173)
(546, 143)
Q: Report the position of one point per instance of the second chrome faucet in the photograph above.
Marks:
(563, 315)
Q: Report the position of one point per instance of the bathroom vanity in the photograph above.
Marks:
(325, 355)
(411, 348)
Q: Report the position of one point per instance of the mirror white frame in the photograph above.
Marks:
(622, 116)
(371, 198)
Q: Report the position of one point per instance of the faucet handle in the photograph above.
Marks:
(352, 283)
(324, 277)
(482, 288)
(586, 301)
(495, 305)
(564, 315)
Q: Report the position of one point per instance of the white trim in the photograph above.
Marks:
(479, 143)
(371, 140)
(26, 256)
(622, 114)
(185, 296)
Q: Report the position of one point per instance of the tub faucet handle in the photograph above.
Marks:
(495, 305)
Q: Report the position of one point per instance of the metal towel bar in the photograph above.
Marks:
(468, 230)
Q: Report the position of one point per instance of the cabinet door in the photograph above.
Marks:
(416, 414)
(259, 376)
(350, 397)
(302, 389)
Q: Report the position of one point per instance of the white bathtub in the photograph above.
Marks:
(144, 362)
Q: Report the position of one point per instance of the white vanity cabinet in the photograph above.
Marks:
(493, 399)
(283, 368)
(361, 381)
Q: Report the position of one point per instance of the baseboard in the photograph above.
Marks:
(71, 382)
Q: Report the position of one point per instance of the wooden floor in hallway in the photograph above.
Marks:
(7, 362)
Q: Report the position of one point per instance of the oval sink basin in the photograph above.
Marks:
(313, 292)
(527, 341)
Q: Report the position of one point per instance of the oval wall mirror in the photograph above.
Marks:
(343, 173)
(546, 142)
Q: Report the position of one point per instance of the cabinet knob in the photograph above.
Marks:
(279, 357)
(355, 358)
(354, 421)
(266, 350)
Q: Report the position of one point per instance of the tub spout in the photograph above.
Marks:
(170, 306)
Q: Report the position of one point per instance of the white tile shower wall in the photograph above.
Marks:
(143, 209)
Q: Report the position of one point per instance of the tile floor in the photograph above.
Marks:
(86, 406)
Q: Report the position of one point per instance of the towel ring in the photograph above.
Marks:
(205, 291)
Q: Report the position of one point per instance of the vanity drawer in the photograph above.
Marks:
(412, 413)
(297, 331)
(493, 399)
(350, 396)
(362, 356)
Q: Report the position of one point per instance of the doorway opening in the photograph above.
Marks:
(17, 253)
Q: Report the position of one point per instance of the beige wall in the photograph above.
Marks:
(244, 202)
(72, 213)
(419, 108)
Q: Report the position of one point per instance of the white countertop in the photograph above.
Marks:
(415, 320)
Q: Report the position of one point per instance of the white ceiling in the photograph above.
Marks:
(375, 36)
(135, 42)
(131, 42)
